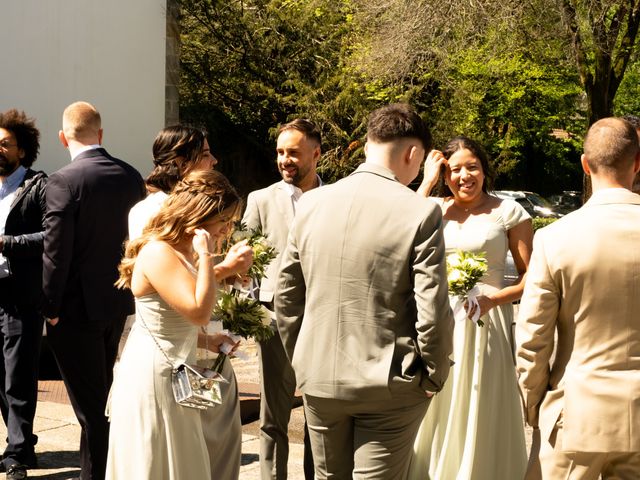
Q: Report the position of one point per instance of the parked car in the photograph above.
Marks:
(536, 206)
(533, 203)
(567, 201)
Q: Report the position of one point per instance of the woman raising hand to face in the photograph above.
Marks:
(481, 401)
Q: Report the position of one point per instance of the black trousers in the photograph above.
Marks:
(86, 353)
(20, 337)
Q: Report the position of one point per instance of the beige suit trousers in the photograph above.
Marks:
(559, 465)
(363, 439)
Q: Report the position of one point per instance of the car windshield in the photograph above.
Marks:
(571, 200)
(538, 201)
(526, 205)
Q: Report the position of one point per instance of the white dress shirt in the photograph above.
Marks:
(296, 193)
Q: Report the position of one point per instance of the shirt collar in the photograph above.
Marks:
(605, 191)
(13, 180)
(296, 192)
(376, 169)
(86, 148)
(613, 195)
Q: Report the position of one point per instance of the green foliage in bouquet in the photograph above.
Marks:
(263, 251)
(239, 313)
(464, 270)
(243, 316)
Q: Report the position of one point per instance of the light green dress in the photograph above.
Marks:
(151, 437)
(473, 429)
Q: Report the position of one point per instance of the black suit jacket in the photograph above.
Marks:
(23, 239)
(85, 227)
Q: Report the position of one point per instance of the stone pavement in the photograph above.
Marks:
(59, 433)
(58, 430)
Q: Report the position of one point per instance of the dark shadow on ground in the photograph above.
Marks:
(249, 408)
(248, 458)
(62, 459)
(69, 474)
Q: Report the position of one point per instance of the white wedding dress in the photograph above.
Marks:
(473, 428)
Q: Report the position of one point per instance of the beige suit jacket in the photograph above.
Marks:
(361, 299)
(270, 209)
(584, 283)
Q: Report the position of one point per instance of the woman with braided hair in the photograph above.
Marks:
(169, 269)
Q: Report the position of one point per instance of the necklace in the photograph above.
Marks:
(471, 208)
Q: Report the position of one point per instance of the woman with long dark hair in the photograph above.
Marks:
(473, 429)
(178, 151)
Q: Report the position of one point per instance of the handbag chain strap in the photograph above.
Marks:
(157, 343)
(206, 343)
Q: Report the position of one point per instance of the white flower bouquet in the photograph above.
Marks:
(464, 270)
(240, 313)
(263, 251)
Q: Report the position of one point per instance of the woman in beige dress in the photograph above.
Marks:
(170, 272)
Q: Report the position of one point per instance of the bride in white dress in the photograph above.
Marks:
(473, 429)
(170, 272)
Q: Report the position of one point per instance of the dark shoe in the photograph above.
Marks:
(31, 463)
(16, 472)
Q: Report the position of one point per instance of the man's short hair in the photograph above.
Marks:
(26, 133)
(308, 127)
(611, 146)
(397, 121)
(81, 121)
(633, 120)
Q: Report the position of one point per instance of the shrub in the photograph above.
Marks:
(540, 222)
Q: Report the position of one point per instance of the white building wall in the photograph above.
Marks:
(109, 53)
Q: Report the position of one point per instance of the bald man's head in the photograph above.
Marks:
(81, 122)
(610, 147)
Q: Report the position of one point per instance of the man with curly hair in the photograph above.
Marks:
(22, 209)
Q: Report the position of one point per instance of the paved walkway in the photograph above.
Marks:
(59, 433)
(58, 430)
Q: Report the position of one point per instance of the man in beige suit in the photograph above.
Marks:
(272, 209)
(584, 284)
(362, 305)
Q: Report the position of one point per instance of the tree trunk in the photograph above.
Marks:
(601, 70)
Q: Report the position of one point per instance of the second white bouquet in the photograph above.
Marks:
(464, 271)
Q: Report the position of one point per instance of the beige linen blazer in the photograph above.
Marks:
(361, 299)
(270, 209)
(584, 283)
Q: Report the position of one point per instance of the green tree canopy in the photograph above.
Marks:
(510, 75)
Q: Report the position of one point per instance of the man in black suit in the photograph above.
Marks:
(86, 224)
(22, 210)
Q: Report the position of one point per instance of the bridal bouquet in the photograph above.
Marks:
(263, 251)
(464, 270)
(241, 313)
